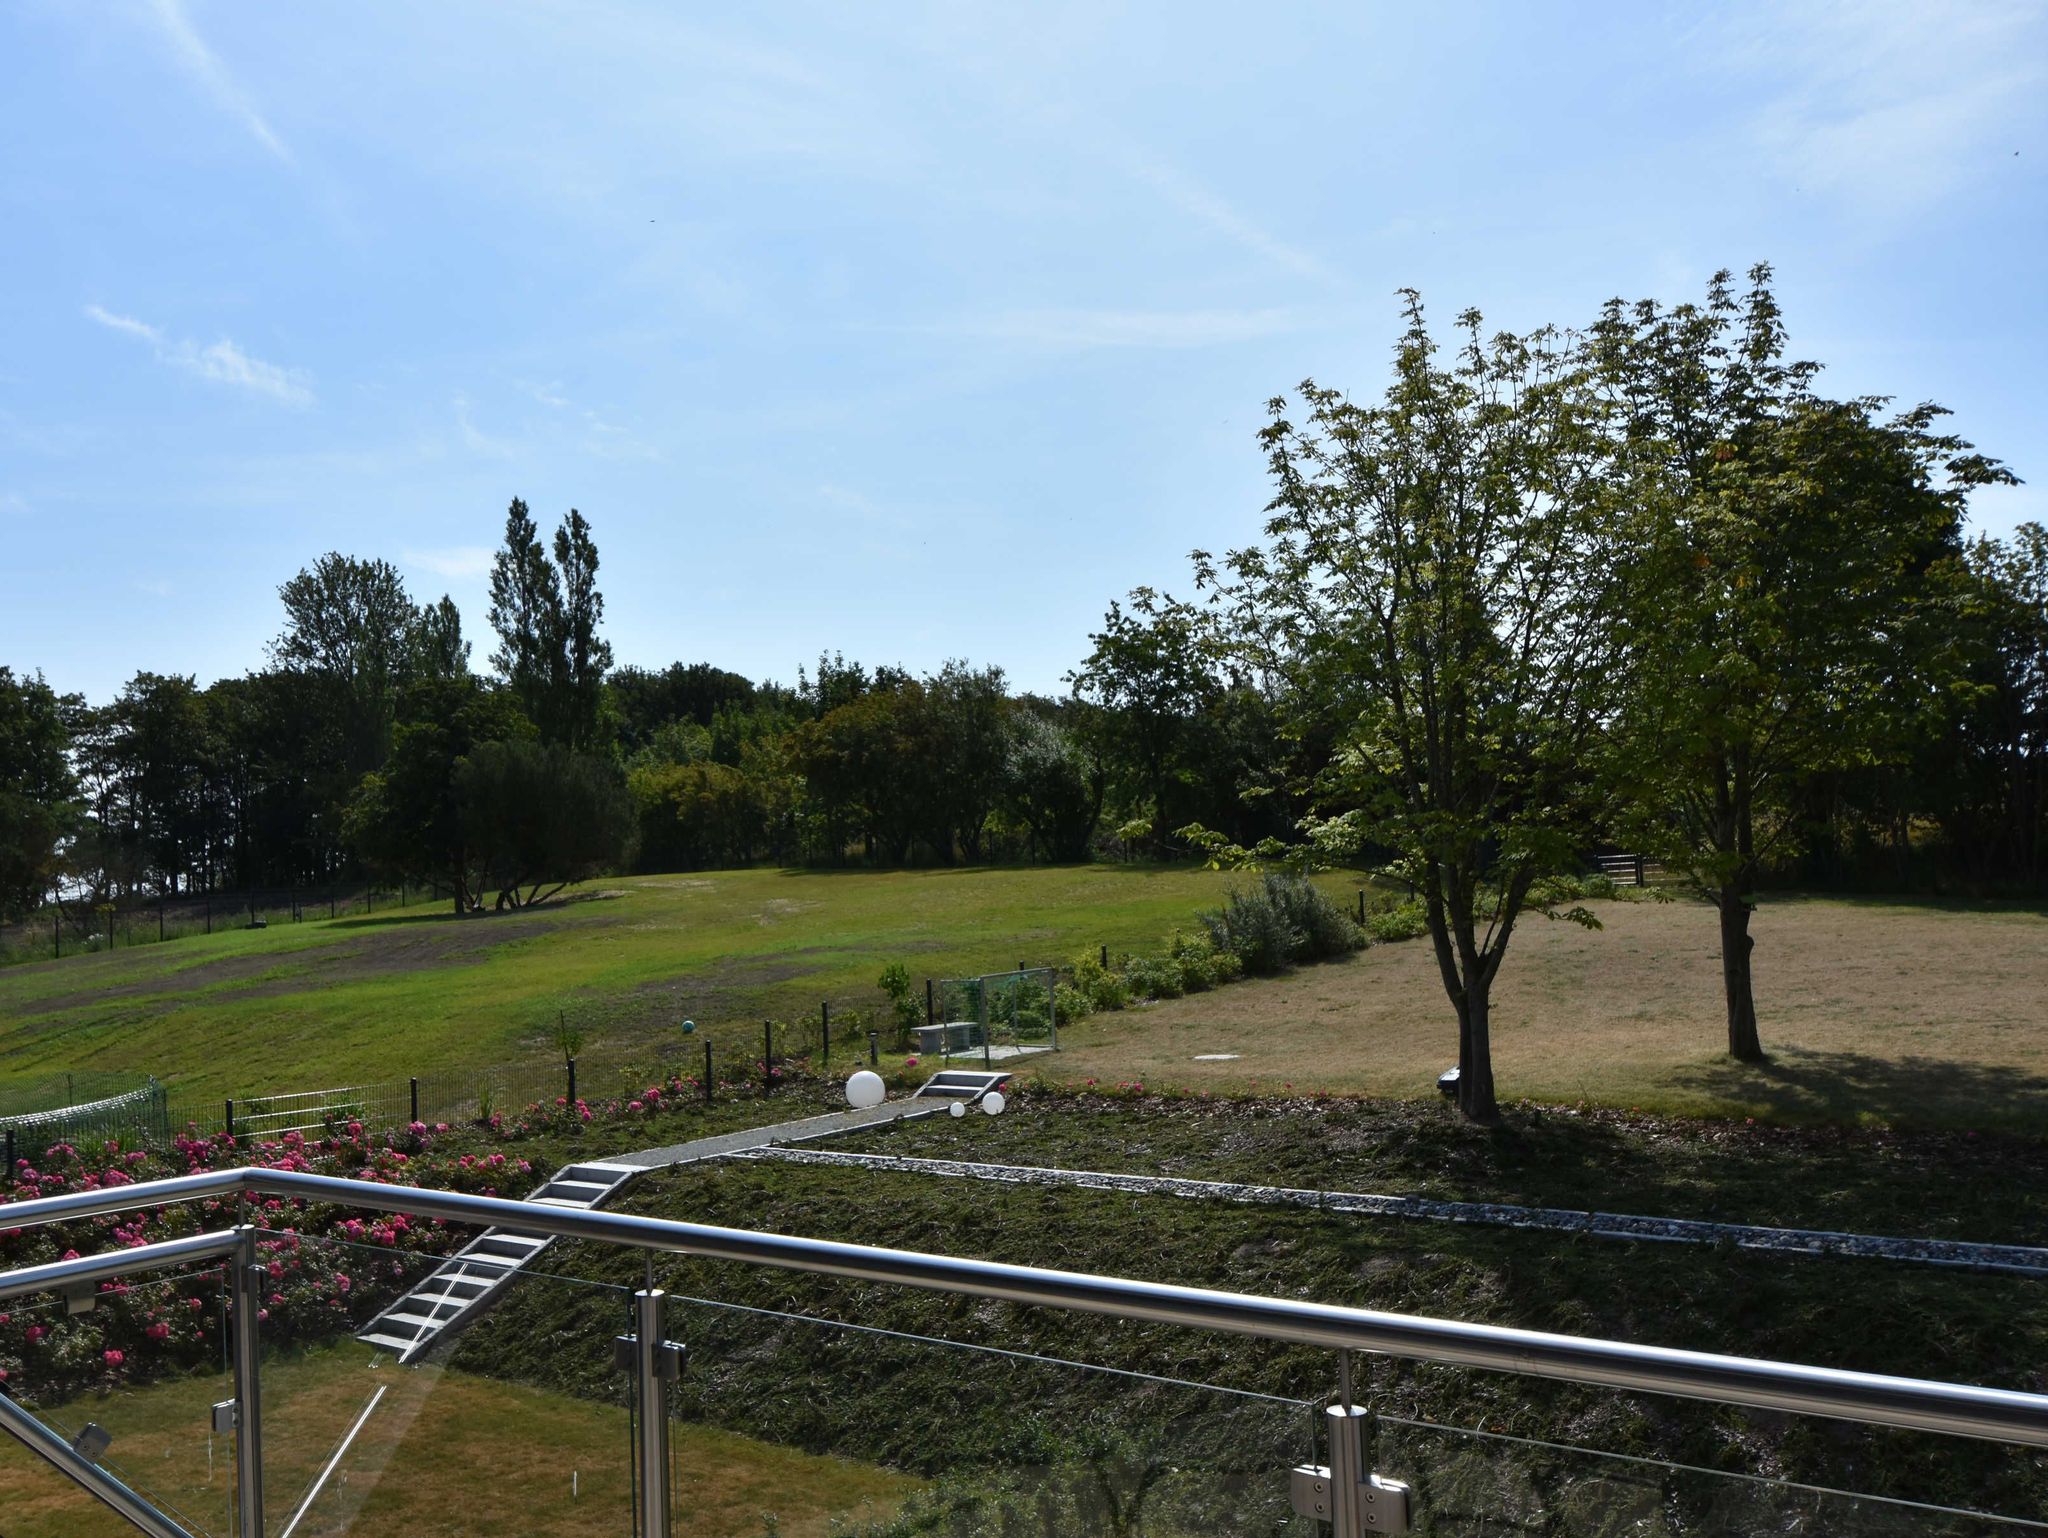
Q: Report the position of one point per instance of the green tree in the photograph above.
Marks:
(406, 820)
(546, 614)
(38, 791)
(585, 657)
(1049, 787)
(540, 816)
(1432, 592)
(351, 621)
(1788, 597)
(526, 613)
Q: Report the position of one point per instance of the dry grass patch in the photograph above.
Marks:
(1872, 1011)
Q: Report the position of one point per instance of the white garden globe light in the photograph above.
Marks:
(865, 1089)
(993, 1102)
(956, 1110)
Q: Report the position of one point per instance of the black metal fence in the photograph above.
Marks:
(83, 927)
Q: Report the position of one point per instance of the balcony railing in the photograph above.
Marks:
(317, 1436)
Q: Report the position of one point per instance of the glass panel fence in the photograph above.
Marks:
(1469, 1483)
(790, 1424)
(383, 1412)
(130, 1381)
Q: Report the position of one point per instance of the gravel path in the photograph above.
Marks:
(757, 1138)
(2025, 1260)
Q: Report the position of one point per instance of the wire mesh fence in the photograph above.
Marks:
(85, 927)
(996, 1015)
(83, 1107)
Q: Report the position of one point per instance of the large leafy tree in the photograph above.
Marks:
(406, 819)
(352, 622)
(38, 792)
(1432, 594)
(540, 816)
(1789, 594)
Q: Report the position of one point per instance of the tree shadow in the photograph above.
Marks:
(1802, 1085)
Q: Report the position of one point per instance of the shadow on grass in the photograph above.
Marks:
(1848, 1088)
(1911, 902)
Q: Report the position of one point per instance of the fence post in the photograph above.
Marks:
(1361, 907)
(231, 1118)
(767, 1056)
(707, 1070)
(57, 935)
(110, 926)
(330, 902)
(572, 1081)
(248, 1344)
(415, 1098)
(1105, 958)
(209, 912)
(929, 1017)
(825, 1025)
(1639, 870)
(10, 1156)
(160, 918)
(874, 1049)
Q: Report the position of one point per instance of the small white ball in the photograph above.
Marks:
(865, 1089)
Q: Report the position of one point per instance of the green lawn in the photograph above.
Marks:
(421, 991)
(443, 1454)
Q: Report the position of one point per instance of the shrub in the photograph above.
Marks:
(1073, 1004)
(1104, 990)
(1153, 977)
(1282, 920)
(1201, 965)
(1401, 920)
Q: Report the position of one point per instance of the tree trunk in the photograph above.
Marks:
(1736, 981)
(1475, 1056)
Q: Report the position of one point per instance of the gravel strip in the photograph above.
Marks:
(2024, 1260)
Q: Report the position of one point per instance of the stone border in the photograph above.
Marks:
(2015, 1259)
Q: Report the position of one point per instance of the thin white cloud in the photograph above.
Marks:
(1081, 330)
(205, 67)
(125, 323)
(474, 438)
(221, 362)
(1197, 201)
(1889, 104)
(458, 563)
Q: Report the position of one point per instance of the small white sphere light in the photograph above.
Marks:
(865, 1089)
(956, 1109)
(993, 1102)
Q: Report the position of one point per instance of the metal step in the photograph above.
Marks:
(462, 1287)
(959, 1084)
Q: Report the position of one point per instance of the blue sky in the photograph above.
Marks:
(912, 332)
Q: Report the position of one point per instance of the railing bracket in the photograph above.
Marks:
(1341, 1492)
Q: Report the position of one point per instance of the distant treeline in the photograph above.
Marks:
(369, 747)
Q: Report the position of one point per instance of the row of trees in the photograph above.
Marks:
(1637, 583)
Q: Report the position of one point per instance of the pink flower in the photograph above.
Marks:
(158, 1332)
(113, 1358)
(34, 1333)
(910, 1062)
(341, 1284)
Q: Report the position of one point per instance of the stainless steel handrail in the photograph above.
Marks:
(46, 1444)
(105, 1267)
(1916, 1404)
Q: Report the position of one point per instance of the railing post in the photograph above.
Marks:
(248, 1345)
(655, 1364)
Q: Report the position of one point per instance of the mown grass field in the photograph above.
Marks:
(1903, 1014)
(1907, 1014)
(421, 991)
